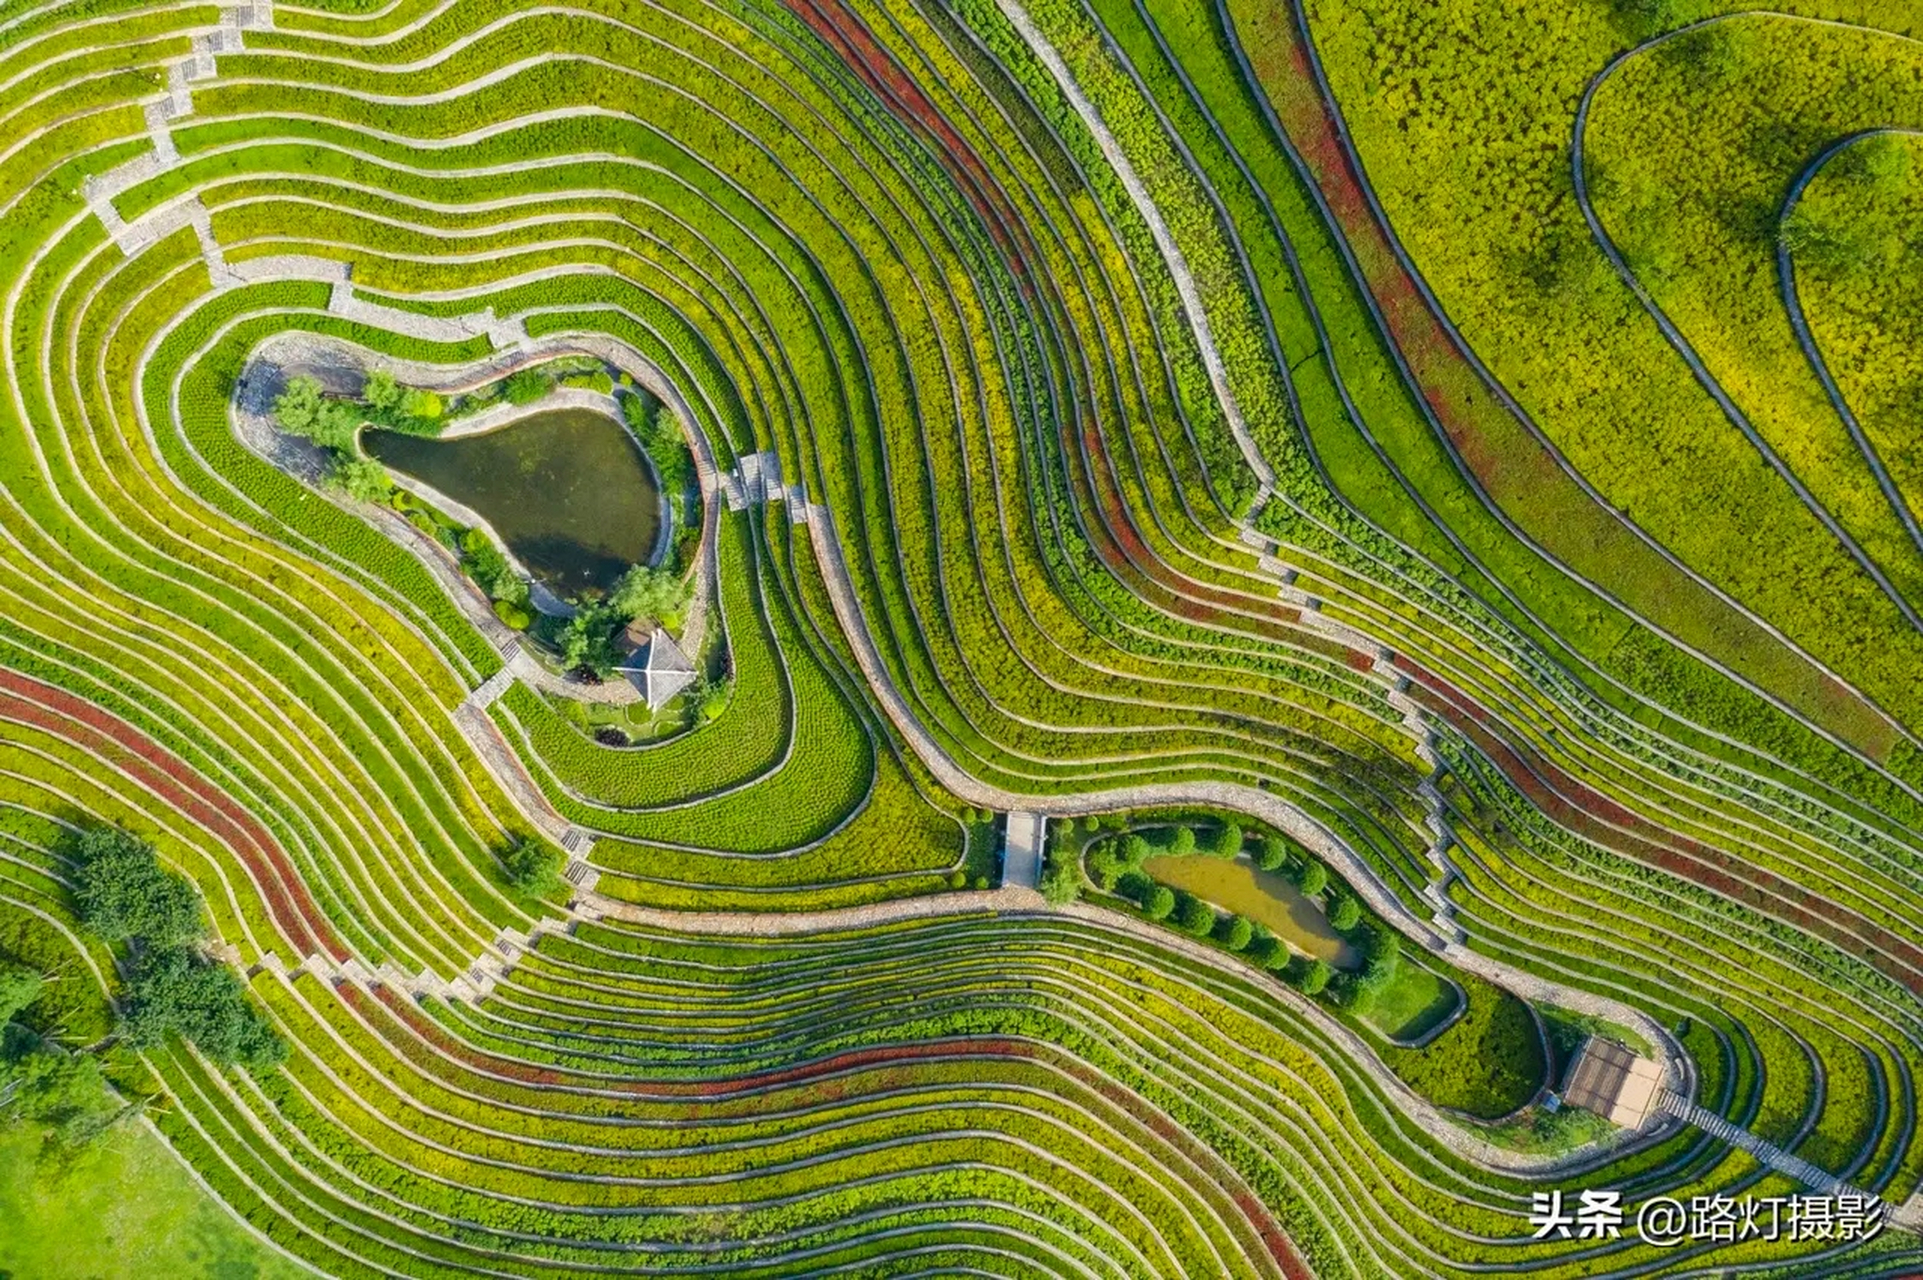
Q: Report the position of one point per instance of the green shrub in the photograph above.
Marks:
(1228, 841)
(1182, 842)
(381, 391)
(1344, 914)
(514, 615)
(1237, 932)
(587, 641)
(1061, 883)
(1195, 916)
(19, 987)
(1313, 878)
(1159, 902)
(366, 480)
(651, 595)
(1273, 853)
(421, 404)
(525, 386)
(298, 402)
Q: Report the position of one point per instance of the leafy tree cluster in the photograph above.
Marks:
(587, 641)
(303, 410)
(42, 1083)
(124, 896)
(1061, 881)
(488, 566)
(174, 991)
(653, 595)
(525, 386)
(661, 438)
(532, 869)
(1358, 991)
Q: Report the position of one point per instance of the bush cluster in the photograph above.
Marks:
(124, 896)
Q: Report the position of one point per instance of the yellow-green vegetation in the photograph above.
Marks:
(1467, 132)
(1853, 244)
(1058, 442)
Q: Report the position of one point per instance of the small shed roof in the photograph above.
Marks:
(658, 669)
(1613, 1081)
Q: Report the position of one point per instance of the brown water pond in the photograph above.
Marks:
(1266, 897)
(567, 490)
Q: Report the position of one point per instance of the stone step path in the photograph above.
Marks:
(489, 691)
(1766, 1153)
(502, 333)
(581, 874)
(756, 478)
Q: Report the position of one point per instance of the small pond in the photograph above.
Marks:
(1265, 897)
(568, 490)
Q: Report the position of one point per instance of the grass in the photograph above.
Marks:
(127, 1208)
(1415, 1003)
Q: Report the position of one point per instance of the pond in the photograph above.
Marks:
(567, 490)
(1265, 897)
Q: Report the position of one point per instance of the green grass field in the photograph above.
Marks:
(126, 1209)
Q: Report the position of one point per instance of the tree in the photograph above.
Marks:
(1314, 877)
(651, 594)
(298, 402)
(1195, 916)
(174, 991)
(1060, 882)
(1105, 864)
(1314, 977)
(1344, 914)
(532, 870)
(1237, 933)
(525, 386)
(588, 641)
(418, 402)
(1228, 841)
(334, 426)
(121, 891)
(1182, 842)
(380, 391)
(484, 563)
(362, 479)
(19, 987)
(62, 1092)
(1159, 902)
(1274, 851)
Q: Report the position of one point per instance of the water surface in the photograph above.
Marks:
(567, 490)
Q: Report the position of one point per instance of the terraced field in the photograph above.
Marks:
(1460, 456)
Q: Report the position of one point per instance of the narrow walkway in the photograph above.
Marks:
(1767, 1153)
(1022, 850)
